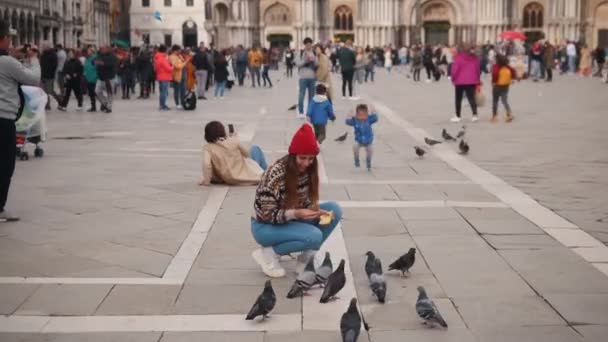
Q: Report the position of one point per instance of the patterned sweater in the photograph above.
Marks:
(271, 195)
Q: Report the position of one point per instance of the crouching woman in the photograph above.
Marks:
(288, 215)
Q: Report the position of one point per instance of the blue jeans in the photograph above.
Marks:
(535, 69)
(255, 74)
(256, 153)
(296, 236)
(163, 93)
(219, 88)
(305, 84)
(177, 92)
(572, 64)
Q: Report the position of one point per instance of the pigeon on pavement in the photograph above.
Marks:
(462, 132)
(463, 147)
(405, 262)
(419, 151)
(431, 142)
(427, 310)
(264, 304)
(350, 324)
(334, 283)
(293, 107)
(446, 136)
(324, 271)
(342, 137)
(373, 269)
(304, 281)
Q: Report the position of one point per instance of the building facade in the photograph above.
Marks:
(72, 23)
(366, 22)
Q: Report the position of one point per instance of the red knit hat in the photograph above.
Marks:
(304, 141)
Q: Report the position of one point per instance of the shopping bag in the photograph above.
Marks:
(480, 97)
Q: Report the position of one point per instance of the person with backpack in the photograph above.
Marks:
(255, 59)
(13, 74)
(502, 76)
(201, 63)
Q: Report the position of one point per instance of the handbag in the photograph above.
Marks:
(480, 97)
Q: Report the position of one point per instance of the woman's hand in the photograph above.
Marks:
(307, 214)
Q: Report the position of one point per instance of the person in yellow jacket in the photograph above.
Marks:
(178, 80)
(255, 58)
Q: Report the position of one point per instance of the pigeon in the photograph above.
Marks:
(264, 304)
(431, 142)
(324, 271)
(446, 136)
(463, 147)
(335, 283)
(405, 262)
(304, 281)
(419, 151)
(373, 269)
(461, 133)
(342, 137)
(427, 310)
(293, 107)
(350, 324)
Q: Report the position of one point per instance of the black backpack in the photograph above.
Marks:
(189, 101)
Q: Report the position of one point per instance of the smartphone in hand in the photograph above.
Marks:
(230, 129)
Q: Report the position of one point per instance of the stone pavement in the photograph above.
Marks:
(118, 243)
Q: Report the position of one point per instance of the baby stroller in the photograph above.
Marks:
(31, 126)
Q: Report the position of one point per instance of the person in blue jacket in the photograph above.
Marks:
(364, 135)
(319, 111)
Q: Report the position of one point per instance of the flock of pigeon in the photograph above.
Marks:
(333, 281)
(463, 146)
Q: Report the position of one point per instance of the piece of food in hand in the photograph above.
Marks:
(325, 219)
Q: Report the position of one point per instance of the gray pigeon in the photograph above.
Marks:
(324, 271)
(427, 310)
(293, 107)
(350, 324)
(335, 283)
(419, 151)
(304, 281)
(446, 136)
(405, 262)
(431, 142)
(264, 304)
(462, 132)
(342, 138)
(373, 269)
(463, 147)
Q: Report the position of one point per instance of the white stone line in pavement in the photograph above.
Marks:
(397, 182)
(180, 265)
(317, 316)
(420, 204)
(92, 324)
(322, 171)
(89, 281)
(559, 228)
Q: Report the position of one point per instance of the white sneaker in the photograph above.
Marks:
(269, 261)
(474, 118)
(455, 119)
(79, 108)
(428, 80)
(354, 98)
(301, 116)
(179, 107)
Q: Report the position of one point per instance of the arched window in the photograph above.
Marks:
(533, 15)
(277, 14)
(343, 19)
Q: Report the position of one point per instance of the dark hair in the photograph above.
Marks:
(59, 46)
(291, 182)
(4, 29)
(307, 40)
(321, 89)
(214, 131)
(362, 108)
(502, 60)
(175, 48)
(162, 48)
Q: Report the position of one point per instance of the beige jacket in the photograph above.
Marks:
(324, 74)
(227, 161)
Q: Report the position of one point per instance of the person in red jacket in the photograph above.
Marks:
(502, 76)
(163, 75)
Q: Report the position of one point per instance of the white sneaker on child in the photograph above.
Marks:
(475, 118)
(269, 261)
(455, 119)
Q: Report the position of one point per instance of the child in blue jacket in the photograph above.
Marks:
(319, 111)
(364, 135)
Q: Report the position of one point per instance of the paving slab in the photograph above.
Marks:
(13, 295)
(371, 222)
(467, 266)
(556, 270)
(362, 192)
(489, 213)
(76, 337)
(417, 192)
(456, 226)
(213, 336)
(64, 300)
(204, 276)
(510, 226)
(466, 192)
(593, 333)
(520, 241)
(139, 300)
(427, 335)
(581, 308)
(308, 335)
(419, 214)
(530, 334)
(482, 313)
